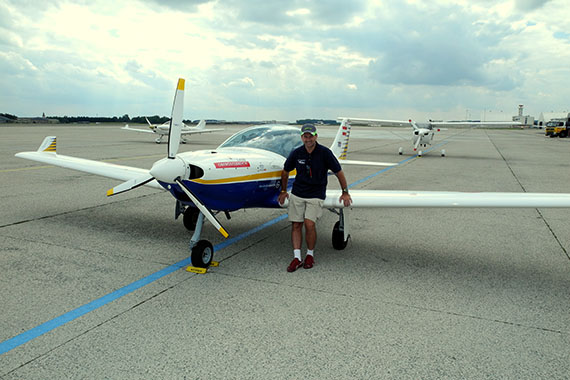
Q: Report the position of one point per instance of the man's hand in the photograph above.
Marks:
(346, 199)
(282, 196)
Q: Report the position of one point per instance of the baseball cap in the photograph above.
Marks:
(309, 128)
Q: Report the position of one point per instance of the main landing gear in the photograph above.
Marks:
(340, 233)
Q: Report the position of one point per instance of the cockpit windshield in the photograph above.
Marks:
(280, 139)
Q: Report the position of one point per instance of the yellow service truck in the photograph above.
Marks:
(558, 127)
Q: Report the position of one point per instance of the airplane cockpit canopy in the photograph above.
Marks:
(280, 139)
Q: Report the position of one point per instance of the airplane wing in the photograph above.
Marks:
(339, 147)
(474, 123)
(47, 154)
(126, 127)
(194, 131)
(452, 199)
(388, 123)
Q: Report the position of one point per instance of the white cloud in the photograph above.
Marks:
(284, 60)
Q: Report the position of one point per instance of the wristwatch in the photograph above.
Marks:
(345, 190)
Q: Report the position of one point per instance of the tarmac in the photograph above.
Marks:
(96, 287)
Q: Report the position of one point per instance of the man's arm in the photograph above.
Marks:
(345, 196)
(284, 180)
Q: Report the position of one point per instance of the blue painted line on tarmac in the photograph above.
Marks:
(54, 323)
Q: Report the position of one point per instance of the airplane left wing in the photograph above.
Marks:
(451, 199)
(475, 123)
(47, 154)
(194, 131)
(388, 123)
(126, 127)
(339, 148)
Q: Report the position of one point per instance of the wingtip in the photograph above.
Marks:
(48, 145)
(181, 83)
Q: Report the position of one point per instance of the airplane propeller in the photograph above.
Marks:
(149, 123)
(172, 168)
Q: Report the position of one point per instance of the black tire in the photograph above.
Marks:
(190, 217)
(338, 241)
(202, 254)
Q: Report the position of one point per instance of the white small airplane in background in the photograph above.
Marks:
(245, 172)
(162, 130)
(422, 133)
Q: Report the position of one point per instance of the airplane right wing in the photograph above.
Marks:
(446, 199)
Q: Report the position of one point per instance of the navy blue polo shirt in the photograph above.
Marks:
(312, 170)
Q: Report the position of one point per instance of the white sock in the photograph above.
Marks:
(310, 252)
(297, 253)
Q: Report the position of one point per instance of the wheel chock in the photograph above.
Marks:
(201, 270)
(196, 270)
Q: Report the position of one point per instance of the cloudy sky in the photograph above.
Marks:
(285, 60)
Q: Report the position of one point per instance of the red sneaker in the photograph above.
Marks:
(309, 261)
(295, 264)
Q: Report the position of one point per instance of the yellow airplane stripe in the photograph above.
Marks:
(181, 84)
(276, 174)
(223, 232)
(51, 147)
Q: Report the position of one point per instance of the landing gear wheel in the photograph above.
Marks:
(420, 153)
(443, 153)
(190, 217)
(400, 151)
(338, 241)
(202, 254)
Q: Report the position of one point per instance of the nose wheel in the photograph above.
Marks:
(202, 254)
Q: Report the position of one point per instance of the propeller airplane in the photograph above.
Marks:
(245, 172)
(162, 130)
(423, 133)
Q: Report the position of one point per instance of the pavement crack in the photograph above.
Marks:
(524, 190)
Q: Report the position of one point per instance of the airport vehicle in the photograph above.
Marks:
(423, 133)
(551, 126)
(162, 130)
(245, 172)
(558, 127)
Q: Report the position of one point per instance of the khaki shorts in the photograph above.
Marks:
(304, 208)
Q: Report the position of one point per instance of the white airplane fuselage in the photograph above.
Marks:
(424, 135)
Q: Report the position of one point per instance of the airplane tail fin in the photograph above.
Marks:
(48, 145)
(340, 143)
(201, 124)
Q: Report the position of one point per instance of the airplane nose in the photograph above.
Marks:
(168, 169)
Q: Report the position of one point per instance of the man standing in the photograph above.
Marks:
(312, 162)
